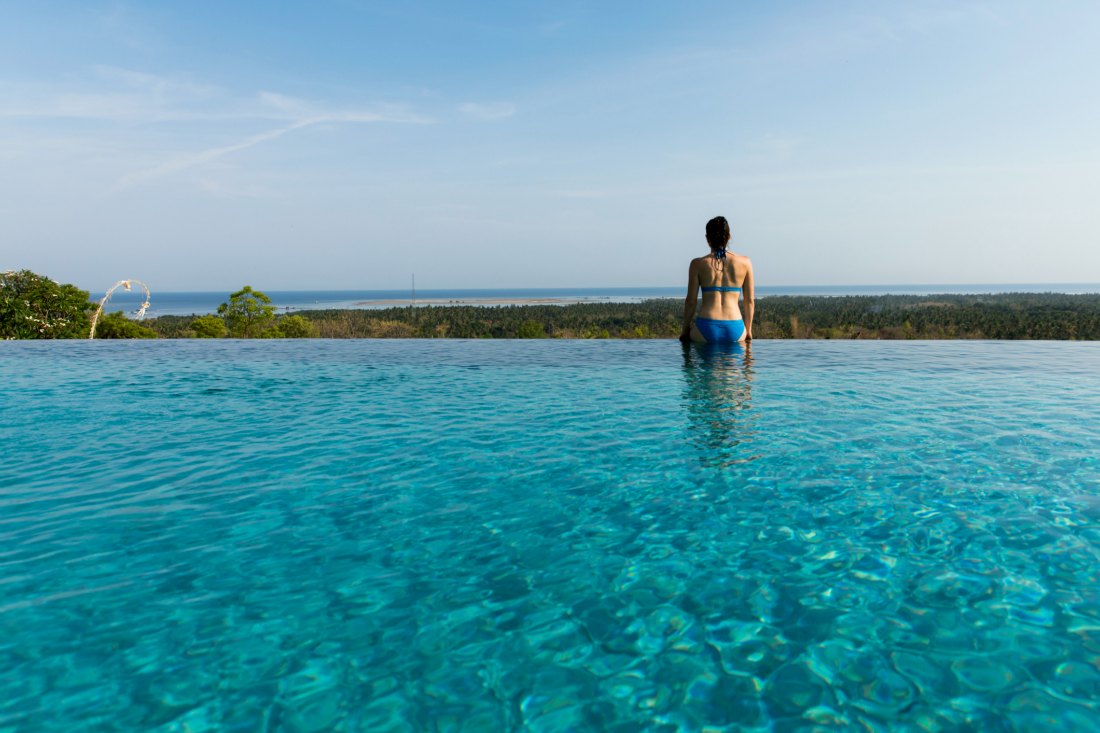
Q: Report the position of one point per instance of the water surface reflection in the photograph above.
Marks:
(717, 398)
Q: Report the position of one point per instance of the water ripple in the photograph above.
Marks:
(312, 536)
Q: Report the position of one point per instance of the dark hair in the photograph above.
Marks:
(718, 232)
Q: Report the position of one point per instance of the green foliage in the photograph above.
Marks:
(35, 307)
(248, 314)
(1004, 316)
(531, 330)
(209, 327)
(653, 319)
(172, 327)
(295, 327)
(1000, 316)
(117, 326)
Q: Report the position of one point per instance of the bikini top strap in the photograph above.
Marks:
(720, 256)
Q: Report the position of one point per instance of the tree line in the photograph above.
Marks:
(32, 306)
(1001, 316)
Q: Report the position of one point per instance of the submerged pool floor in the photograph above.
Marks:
(549, 536)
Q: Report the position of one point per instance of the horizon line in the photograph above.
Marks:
(650, 287)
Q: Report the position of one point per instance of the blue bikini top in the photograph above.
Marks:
(720, 254)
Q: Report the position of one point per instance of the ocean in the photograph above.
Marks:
(187, 303)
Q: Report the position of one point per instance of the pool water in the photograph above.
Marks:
(549, 536)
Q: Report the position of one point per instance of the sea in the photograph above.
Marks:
(199, 302)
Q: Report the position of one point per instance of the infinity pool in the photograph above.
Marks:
(549, 536)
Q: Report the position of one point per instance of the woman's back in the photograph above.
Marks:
(721, 281)
(723, 278)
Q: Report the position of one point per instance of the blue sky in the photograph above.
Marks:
(200, 146)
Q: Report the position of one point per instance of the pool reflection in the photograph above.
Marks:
(718, 401)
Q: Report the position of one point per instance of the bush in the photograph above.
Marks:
(35, 307)
(117, 326)
(209, 327)
(531, 330)
(295, 327)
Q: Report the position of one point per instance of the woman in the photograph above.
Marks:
(723, 277)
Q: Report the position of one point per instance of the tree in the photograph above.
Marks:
(35, 307)
(248, 313)
(117, 326)
(209, 327)
(295, 327)
(531, 330)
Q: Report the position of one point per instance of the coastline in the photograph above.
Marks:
(404, 302)
(1006, 316)
(183, 303)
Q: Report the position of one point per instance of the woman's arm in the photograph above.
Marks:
(749, 291)
(689, 302)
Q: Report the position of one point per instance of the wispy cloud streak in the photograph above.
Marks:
(190, 161)
(206, 156)
(131, 98)
(111, 94)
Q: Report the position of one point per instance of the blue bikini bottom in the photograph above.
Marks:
(720, 332)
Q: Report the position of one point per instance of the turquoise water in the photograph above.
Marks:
(549, 536)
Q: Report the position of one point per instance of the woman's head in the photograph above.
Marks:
(718, 232)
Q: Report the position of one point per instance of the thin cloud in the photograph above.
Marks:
(116, 94)
(113, 94)
(157, 83)
(282, 102)
(190, 161)
(206, 156)
(127, 96)
(488, 111)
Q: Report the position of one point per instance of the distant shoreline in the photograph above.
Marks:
(1007, 316)
(176, 303)
(399, 302)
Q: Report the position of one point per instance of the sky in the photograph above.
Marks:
(349, 145)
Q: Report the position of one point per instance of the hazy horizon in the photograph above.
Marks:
(136, 292)
(344, 146)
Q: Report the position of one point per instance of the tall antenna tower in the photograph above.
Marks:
(414, 288)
